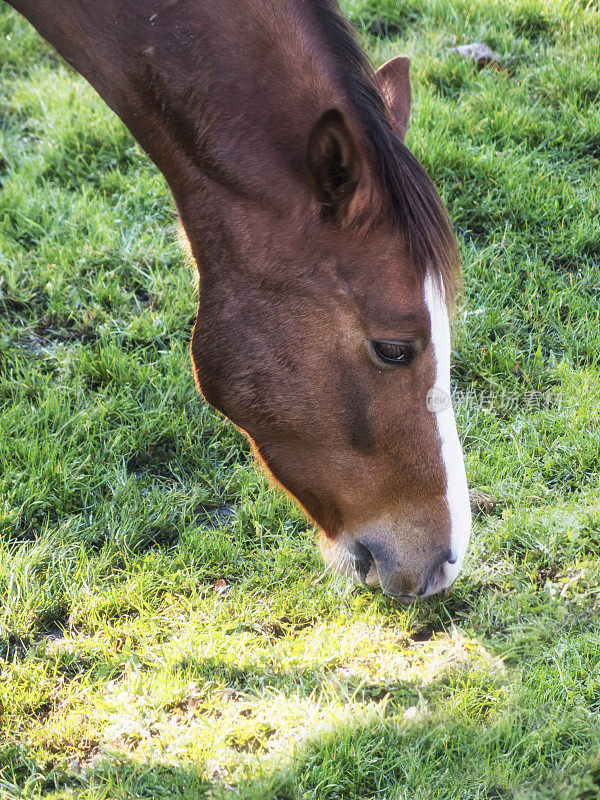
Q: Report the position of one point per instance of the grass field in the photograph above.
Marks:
(166, 628)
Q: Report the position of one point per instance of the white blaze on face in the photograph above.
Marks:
(457, 491)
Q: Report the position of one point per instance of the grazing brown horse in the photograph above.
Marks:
(326, 258)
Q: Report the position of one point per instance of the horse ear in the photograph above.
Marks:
(394, 83)
(335, 162)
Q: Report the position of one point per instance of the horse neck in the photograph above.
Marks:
(222, 96)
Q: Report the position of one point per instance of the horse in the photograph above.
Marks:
(327, 262)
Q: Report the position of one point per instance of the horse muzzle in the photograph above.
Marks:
(403, 567)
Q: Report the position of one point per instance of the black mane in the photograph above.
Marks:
(410, 194)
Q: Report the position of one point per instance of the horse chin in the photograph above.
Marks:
(340, 557)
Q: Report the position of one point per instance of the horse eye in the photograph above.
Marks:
(394, 352)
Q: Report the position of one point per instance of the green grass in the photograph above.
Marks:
(124, 672)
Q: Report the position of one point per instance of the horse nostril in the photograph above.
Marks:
(435, 576)
(363, 560)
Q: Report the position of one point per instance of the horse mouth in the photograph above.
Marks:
(356, 562)
(366, 572)
(373, 582)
